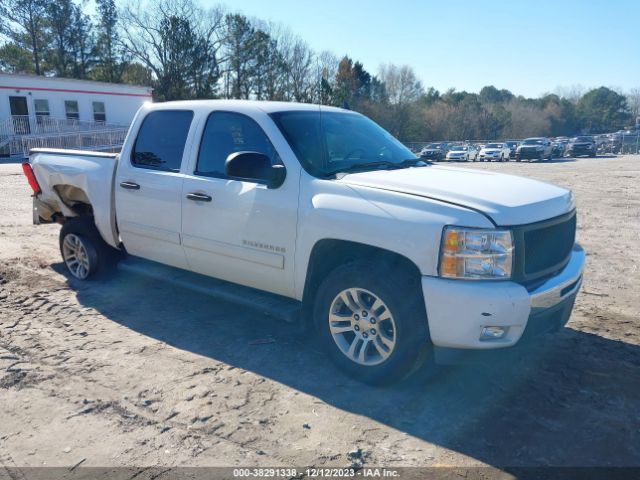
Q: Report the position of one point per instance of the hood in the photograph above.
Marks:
(491, 150)
(506, 199)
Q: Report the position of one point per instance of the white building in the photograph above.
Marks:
(82, 100)
(38, 111)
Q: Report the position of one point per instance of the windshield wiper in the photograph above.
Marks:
(379, 163)
(415, 162)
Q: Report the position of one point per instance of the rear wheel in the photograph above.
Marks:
(83, 250)
(372, 321)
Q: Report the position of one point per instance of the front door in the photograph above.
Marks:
(148, 188)
(238, 231)
(20, 115)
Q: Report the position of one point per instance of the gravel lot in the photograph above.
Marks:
(133, 372)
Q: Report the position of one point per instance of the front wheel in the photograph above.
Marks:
(372, 321)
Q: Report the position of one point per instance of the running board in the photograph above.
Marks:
(277, 306)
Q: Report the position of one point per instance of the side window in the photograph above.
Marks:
(71, 109)
(42, 111)
(161, 139)
(42, 107)
(99, 114)
(226, 133)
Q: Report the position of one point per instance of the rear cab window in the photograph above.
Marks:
(161, 140)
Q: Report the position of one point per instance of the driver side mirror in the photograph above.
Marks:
(254, 167)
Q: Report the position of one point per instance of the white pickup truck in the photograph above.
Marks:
(388, 256)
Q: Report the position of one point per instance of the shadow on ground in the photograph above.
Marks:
(570, 400)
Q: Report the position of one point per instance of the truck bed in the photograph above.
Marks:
(74, 179)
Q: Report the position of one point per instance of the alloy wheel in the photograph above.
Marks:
(362, 326)
(76, 256)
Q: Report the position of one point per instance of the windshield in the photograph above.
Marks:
(494, 145)
(432, 146)
(583, 139)
(329, 142)
(532, 141)
(458, 148)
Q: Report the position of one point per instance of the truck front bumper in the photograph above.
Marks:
(459, 311)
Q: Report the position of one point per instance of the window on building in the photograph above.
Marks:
(41, 107)
(71, 109)
(42, 111)
(226, 133)
(99, 114)
(161, 139)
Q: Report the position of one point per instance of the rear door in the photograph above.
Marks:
(148, 187)
(238, 231)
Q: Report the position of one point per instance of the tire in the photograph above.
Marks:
(383, 350)
(85, 254)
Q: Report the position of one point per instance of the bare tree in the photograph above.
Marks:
(526, 121)
(633, 101)
(299, 65)
(179, 42)
(402, 84)
(572, 93)
(326, 69)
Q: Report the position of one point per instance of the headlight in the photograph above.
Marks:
(476, 254)
(539, 147)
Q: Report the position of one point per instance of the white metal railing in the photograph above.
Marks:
(92, 140)
(44, 124)
(21, 133)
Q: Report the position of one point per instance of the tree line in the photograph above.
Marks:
(185, 51)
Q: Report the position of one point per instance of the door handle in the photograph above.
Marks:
(130, 185)
(198, 197)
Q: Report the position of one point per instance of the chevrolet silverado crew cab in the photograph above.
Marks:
(387, 256)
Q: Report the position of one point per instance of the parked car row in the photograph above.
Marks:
(532, 149)
(469, 152)
(620, 142)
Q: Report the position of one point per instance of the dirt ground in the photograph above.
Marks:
(134, 372)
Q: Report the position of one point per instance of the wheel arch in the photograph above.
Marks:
(328, 254)
(75, 199)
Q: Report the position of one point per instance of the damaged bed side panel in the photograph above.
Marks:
(76, 182)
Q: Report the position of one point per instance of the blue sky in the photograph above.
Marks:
(529, 47)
